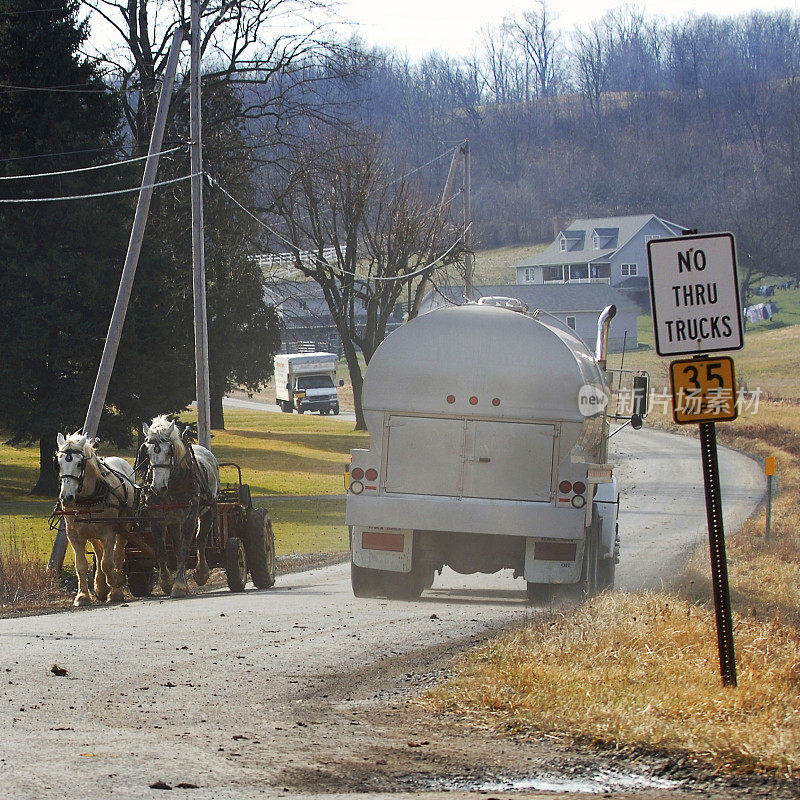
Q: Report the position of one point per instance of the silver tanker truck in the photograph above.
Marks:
(488, 449)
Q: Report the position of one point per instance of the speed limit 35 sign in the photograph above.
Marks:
(703, 390)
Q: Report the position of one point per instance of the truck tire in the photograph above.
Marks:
(606, 573)
(591, 560)
(363, 581)
(141, 582)
(336, 411)
(259, 548)
(286, 406)
(235, 564)
(540, 594)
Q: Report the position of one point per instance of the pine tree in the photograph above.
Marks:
(59, 262)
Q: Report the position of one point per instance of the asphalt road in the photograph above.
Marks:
(268, 692)
(257, 405)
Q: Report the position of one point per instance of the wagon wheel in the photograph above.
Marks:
(141, 582)
(235, 564)
(259, 545)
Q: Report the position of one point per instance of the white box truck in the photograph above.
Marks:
(306, 382)
(488, 443)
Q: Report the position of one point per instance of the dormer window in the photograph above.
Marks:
(562, 241)
(595, 241)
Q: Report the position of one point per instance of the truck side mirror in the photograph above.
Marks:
(341, 382)
(641, 390)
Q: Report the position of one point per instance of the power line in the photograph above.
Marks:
(58, 155)
(74, 88)
(422, 166)
(96, 194)
(339, 273)
(86, 169)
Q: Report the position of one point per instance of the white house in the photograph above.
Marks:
(610, 250)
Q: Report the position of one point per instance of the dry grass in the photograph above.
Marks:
(640, 670)
(25, 581)
(643, 671)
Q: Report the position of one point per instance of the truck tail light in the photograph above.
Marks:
(371, 474)
(579, 488)
(565, 487)
(357, 474)
(579, 501)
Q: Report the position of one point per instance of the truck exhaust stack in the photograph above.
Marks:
(603, 324)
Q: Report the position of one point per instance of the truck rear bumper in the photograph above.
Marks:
(469, 515)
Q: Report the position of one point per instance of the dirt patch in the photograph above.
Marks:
(369, 736)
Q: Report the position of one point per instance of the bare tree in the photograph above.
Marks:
(264, 44)
(591, 54)
(541, 44)
(340, 194)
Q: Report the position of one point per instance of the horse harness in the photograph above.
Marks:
(102, 490)
(190, 481)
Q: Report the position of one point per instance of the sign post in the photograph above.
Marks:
(694, 293)
(769, 468)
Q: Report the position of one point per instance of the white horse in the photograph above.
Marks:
(103, 488)
(180, 494)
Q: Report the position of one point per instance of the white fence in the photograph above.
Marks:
(283, 264)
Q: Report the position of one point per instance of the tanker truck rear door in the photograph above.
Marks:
(509, 460)
(469, 458)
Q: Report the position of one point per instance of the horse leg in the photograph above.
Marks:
(164, 576)
(185, 532)
(204, 526)
(101, 587)
(118, 580)
(78, 542)
(107, 569)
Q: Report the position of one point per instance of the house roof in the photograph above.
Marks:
(556, 298)
(579, 231)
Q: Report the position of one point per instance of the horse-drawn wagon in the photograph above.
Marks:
(182, 517)
(240, 540)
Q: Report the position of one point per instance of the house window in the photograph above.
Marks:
(629, 269)
(563, 243)
(595, 242)
(553, 274)
(530, 274)
(571, 322)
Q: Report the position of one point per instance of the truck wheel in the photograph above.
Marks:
(142, 582)
(259, 548)
(364, 581)
(336, 411)
(323, 412)
(301, 411)
(540, 594)
(286, 406)
(606, 574)
(591, 560)
(235, 564)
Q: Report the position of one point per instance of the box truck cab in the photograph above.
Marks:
(483, 456)
(306, 382)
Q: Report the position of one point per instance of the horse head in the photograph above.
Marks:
(73, 454)
(164, 452)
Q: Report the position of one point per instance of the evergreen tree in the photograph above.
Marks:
(59, 262)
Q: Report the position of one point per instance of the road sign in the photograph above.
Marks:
(695, 294)
(703, 390)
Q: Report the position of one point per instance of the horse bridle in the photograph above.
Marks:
(69, 453)
(171, 463)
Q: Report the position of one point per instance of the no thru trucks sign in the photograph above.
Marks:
(695, 294)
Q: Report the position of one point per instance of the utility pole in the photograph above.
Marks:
(114, 334)
(198, 244)
(469, 289)
(443, 203)
(135, 244)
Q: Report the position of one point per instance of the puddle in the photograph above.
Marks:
(598, 783)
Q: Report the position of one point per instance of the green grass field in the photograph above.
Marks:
(280, 456)
(770, 359)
